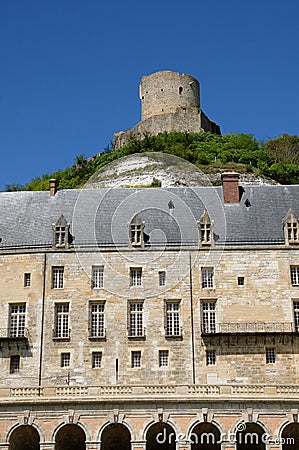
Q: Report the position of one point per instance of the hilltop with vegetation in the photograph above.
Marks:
(277, 159)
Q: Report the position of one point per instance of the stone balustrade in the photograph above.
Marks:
(143, 392)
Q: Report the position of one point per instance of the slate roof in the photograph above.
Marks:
(101, 216)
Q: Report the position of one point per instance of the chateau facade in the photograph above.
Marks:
(150, 319)
(169, 102)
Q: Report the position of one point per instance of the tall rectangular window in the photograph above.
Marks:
(17, 320)
(65, 360)
(14, 364)
(296, 315)
(27, 279)
(97, 320)
(207, 277)
(162, 278)
(136, 319)
(270, 355)
(241, 281)
(60, 236)
(292, 230)
(97, 277)
(136, 277)
(96, 360)
(205, 233)
(208, 317)
(62, 321)
(211, 357)
(57, 277)
(136, 359)
(173, 319)
(295, 275)
(163, 358)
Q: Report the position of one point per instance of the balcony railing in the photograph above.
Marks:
(215, 392)
(250, 327)
(6, 334)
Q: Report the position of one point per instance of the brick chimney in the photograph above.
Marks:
(53, 186)
(230, 187)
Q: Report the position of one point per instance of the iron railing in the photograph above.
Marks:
(250, 327)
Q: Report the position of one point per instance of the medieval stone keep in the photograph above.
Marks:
(150, 319)
(169, 102)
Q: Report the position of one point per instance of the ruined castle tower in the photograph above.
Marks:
(169, 102)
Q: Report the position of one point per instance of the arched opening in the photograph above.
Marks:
(180, 90)
(160, 436)
(24, 437)
(115, 437)
(251, 437)
(290, 437)
(205, 436)
(70, 437)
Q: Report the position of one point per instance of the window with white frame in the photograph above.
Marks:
(17, 320)
(163, 358)
(27, 279)
(57, 277)
(208, 316)
(295, 275)
(96, 360)
(135, 276)
(65, 359)
(136, 359)
(207, 277)
(14, 364)
(205, 227)
(296, 314)
(136, 319)
(211, 357)
(136, 231)
(270, 355)
(60, 236)
(61, 232)
(291, 228)
(62, 330)
(162, 278)
(173, 325)
(97, 277)
(97, 320)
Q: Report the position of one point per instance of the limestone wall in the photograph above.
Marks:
(169, 102)
(266, 297)
(164, 92)
(189, 119)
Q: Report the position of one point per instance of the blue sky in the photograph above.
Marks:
(70, 71)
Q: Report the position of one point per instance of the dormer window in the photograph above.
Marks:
(291, 228)
(61, 233)
(136, 231)
(205, 228)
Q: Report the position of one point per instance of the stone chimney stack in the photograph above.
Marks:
(53, 187)
(230, 187)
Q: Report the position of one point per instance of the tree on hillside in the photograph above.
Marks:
(283, 149)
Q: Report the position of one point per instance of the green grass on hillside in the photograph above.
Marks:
(277, 158)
